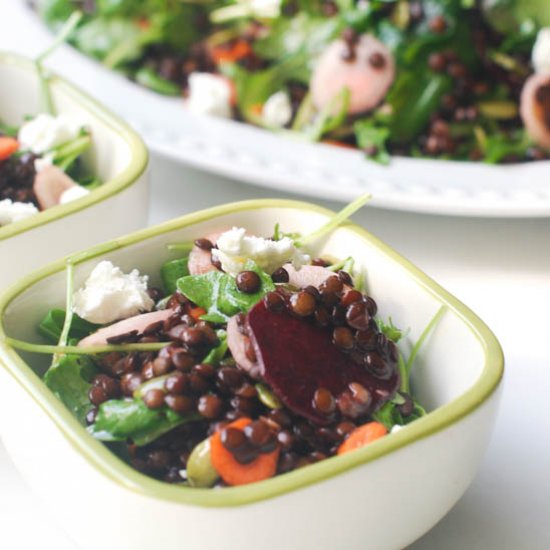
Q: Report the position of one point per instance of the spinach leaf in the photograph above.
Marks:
(171, 271)
(70, 380)
(51, 326)
(218, 294)
(119, 420)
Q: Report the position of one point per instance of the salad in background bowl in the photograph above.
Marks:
(455, 80)
(436, 454)
(70, 172)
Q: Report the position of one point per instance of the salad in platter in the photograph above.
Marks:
(41, 160)
(448, 79)
(251, 361)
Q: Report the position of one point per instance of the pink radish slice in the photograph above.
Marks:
(535, 108)
(49, 184)
(200, 261)
(307, 275)
(237, 346)
(137, 322)
(368, 76)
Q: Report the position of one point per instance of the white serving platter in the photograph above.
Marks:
(262, 158)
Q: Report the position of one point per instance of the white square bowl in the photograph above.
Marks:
(117, 156)
(381, 497)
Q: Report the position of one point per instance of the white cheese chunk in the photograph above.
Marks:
(209, 95)
(110, 295)
(45, 131)
(541, 51)
(15, 211)
(235, 248)
(277, 110)
(73, 193)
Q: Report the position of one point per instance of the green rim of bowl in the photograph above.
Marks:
(135, 168)
(122, 474)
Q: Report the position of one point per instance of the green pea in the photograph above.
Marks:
(200, 472)
(267, 397)
(150, 79)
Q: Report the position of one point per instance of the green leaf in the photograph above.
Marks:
(216, 354)
(119, 420)
(171, 271)
(69, 379)
(150, 79)
(217, 293)
(390, 331)
(372, 138)
(52, 324)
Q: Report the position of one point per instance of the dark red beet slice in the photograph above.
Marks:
(296, 358)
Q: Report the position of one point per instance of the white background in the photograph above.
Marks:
(500, 268)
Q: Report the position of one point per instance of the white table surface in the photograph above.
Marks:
(501, 269)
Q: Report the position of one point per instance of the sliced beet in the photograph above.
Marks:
(297, 357)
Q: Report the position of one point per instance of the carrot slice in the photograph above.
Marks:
(8, 146)
(363, 435)
(230, 54)
(232, 471)
(197, 312)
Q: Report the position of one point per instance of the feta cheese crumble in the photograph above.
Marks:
(109, 295)
(396, 428)
(541, 51)
(15, 211)
(277, 110)
(45, 131)
(235, 248)
(209, 95)
(73, 193)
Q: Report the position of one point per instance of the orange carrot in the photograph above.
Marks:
(8, 146)
(232, 471)
(230, 54)
(197, 312)
(256, 109)
(363, 435)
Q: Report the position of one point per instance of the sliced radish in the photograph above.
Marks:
(49, 184)
(535, 108)
(137, 322)
(200, 261)
(368, 75)
(307, 275)
(236, 342)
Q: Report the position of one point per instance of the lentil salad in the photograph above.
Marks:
(41, 160)
(456, 79)
(229, 374)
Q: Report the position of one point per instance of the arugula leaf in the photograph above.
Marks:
(119, 420)
(51, 326)
(303, 34)
(372, 138)
(171, 271)
(70, 380)
(216, 354)
(390, 331)
(218, 294)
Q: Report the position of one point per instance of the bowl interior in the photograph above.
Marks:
(460, 359)
(110, 153)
